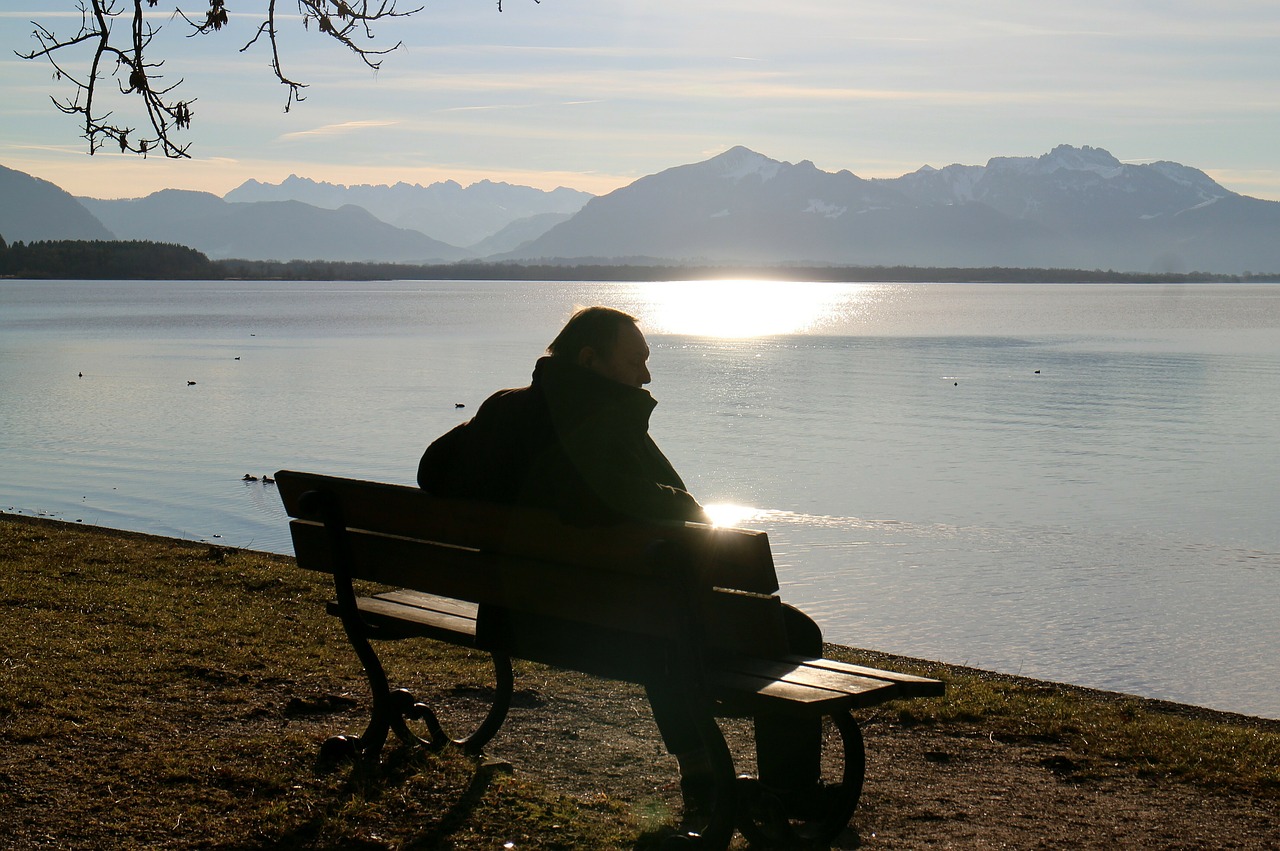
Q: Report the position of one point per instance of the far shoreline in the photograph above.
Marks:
(137, 260)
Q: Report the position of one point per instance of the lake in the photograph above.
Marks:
(1070, 482)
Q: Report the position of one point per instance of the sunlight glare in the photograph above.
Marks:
(726, 514)
(738, 309)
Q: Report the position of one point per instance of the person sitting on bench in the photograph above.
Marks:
(576, 441)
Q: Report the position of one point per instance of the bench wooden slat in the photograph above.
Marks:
(746, 692)
(405, 620)
(729, 558)
(909, 685)
(804, 674)
(430, 602)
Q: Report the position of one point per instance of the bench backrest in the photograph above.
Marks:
(527, 560)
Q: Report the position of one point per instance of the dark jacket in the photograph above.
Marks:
(573, 441)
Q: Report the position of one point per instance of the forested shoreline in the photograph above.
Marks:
(135, 260)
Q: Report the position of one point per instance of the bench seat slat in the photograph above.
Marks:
(743, 680)
(431, 602)
(401, 621)
(810, 675)
(750, 693)
(909, 685)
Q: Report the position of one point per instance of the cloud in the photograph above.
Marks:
(502, 106)
(340, 129)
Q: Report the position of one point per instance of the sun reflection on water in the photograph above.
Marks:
(730, 515)
(741, 308)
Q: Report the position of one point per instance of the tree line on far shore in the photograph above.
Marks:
(135, 260)
(104, 260)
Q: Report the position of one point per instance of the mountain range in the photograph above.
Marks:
(445, 211)
(1070, 208)
(267, 230)
(1073, 207)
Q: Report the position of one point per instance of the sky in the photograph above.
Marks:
(592, 94)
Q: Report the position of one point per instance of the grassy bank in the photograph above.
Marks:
(164, 693)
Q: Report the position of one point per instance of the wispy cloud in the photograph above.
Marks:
(515, 106)
(57, 149)
(341, 129)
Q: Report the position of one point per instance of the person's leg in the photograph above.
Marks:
(680, 735)
(789, 749)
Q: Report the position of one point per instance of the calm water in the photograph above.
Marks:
(1070, 482)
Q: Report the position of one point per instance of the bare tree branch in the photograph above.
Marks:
(102, 51)
(126, 64)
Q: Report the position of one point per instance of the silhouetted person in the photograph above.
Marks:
(576, 441)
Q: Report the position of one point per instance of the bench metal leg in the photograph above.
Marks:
(768, 822)
(388, 706)
(475, 742)
(393, 709)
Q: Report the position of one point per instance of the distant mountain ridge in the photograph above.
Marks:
(34, 209)
(267, 230)
(1073, 207)
(445, 211)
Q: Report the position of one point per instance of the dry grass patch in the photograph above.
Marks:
(1106, 733)
(163, 693)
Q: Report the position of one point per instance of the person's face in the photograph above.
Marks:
(627, 364)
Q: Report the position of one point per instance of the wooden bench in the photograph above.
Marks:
(693, 604)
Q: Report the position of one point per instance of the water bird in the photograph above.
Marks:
(459, 405)
(1037, 372)
(190, 383)
(249, 478)
(82, 375)
(238, 358)
(267, 480)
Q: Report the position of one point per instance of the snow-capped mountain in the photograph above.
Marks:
(738, 205)
(1072, 207)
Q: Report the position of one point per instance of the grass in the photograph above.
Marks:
(157, 692)
(1107, 733)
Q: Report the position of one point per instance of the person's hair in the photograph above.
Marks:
(597, 327)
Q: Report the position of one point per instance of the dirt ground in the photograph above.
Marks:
(926, 786)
